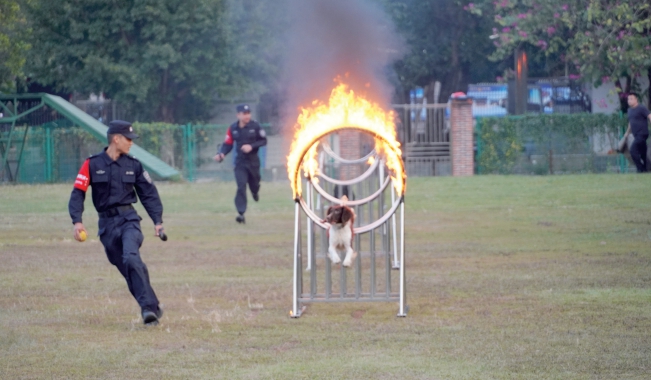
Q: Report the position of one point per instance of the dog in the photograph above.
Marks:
(340, 233)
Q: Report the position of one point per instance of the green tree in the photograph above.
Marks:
(13, 45)
(445, 43)
(596, 39)
(168, 59)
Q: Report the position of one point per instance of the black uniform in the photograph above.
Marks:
(113, 184)
(637, 118)
(247, 165)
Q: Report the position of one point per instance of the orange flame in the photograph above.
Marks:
(344, 110)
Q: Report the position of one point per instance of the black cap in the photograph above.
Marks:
(243, 108)
(123, 128)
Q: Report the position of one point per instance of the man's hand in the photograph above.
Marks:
(219, 157)
(78, 228)
(246, 148)
(157, 229)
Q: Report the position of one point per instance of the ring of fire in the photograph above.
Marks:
(312, 145)
(345, 110)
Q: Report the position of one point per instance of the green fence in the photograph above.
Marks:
(550, 144)
(190, 148)
(51, 153)
(54, 151)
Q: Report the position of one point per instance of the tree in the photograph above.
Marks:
(445, 43)
(596, 39)
(169, 59)
(13, 46)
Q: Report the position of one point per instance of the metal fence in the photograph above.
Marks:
(424, 132)
(552, 144)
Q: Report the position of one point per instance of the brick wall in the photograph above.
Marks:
(350, 147)
(461, 135)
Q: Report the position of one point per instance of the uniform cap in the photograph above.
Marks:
(243, 108)
(123, 128)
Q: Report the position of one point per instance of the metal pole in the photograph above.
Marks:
(396, 263)
(358, 268)
(48, 154)
(309, 227)
(5, 157)
(402, 312)
(295, 313)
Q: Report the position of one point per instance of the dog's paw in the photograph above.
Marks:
(349, 259)
(334, 258)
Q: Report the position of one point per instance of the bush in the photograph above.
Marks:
(532, 144)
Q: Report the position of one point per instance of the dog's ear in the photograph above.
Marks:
(347, 214)
(328, 214)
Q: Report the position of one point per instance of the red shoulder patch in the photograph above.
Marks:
(229, 138)
(83, 178)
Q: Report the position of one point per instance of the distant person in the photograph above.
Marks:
(116, 178)
(248, 137)
(638, 118)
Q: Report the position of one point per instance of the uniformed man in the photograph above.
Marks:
(638, 116)
(248, 137)
(116, 178)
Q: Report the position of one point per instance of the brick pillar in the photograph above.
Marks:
(461, 134)
(350, 148)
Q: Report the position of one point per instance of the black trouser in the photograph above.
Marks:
(638, 152)
(246, 171)
(122, 238)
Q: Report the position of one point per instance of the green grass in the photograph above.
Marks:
(508, 278)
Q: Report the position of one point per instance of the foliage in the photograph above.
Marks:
(502, 142)
(445, 43)
(501, 145)
(168, 59)
(597, 39)
(13, 44)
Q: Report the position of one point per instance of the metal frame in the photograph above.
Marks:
(381, 223)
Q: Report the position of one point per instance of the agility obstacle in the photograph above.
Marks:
(379, 238)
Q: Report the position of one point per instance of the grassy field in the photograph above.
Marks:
(508, 278)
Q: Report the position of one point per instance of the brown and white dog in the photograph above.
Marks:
(340, 233)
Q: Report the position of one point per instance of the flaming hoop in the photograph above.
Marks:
(345, 110)
(348, 111)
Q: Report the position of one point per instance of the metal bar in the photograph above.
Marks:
(335, 156)
(328, 266)
(48, 154)
(9, 112)
(402, 312)
(29, 111)
(186, 151)
(360, 230)
(362, 177)
(5, 156)
(387, 271)
(20, 155)
(364, 297)
(358, 268)
(310, 224)
(297, 233)
(396, 263)
(334, 200)
(372, 272)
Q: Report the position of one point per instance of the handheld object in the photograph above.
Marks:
(162, 235)
(82, 236)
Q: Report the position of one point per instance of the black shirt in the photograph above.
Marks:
(251, 134)
(638, 118)
(114, 183)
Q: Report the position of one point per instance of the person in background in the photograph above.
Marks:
(638, 119)
(247, 137)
